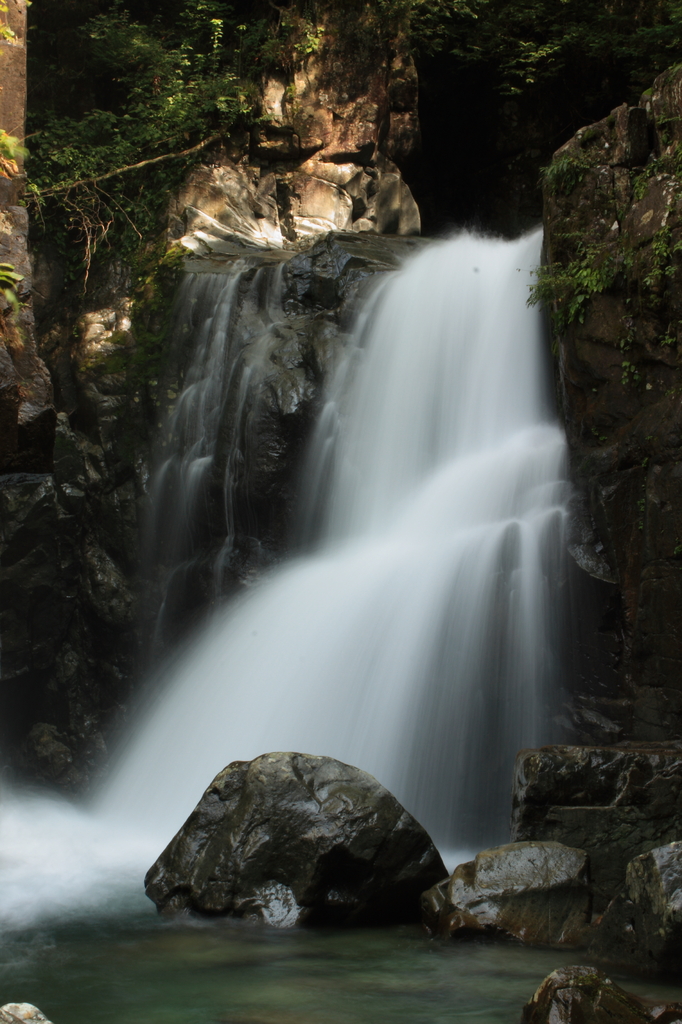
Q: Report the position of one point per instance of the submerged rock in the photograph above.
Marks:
(613, 802)
(535, 892)
(10, 1013)
(642, 927)
(297, 839)
(583, 995)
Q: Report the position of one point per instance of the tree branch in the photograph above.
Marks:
(131, 167)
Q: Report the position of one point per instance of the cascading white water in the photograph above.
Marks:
(416, 642)
(225, 321)
(419, 640)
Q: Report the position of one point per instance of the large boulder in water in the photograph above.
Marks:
(297, 839)
(535, 892)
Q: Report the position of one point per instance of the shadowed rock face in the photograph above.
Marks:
(583, 995)
(296, 839)
(613, 802)
(535, 892)
(613, 223)
(642, 927)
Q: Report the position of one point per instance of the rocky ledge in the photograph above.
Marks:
(537, 893)
(613, 802)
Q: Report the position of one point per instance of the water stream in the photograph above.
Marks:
(419, 640)
(420, 636)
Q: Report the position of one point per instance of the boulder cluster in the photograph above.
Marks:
(292, 839)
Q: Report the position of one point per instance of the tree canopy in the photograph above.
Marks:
(114, 84)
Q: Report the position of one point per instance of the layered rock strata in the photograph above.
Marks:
(613, 802)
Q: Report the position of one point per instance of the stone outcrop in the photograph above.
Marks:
(537, 893)
(295, 839)
(613, 227)
(642, 927)
(337, 126)
(10, 1013)
(13, 62)
(613, 802)
(584, 994)
(27, 415)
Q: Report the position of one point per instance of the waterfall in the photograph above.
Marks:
(225, 326)
(418, 640)
(419, 637)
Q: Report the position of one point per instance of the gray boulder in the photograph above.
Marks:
(297, 839)
(642, 927)
(583, 995)
(535, 892)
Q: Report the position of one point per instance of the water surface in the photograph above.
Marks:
(142, 970)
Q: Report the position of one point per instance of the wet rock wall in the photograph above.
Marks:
(613, 209)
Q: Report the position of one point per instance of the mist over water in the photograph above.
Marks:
(419, 638)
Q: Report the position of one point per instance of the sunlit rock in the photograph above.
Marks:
(585, 995)
(535, 892)
(642, 927)
(10, 1013)
(297, 839)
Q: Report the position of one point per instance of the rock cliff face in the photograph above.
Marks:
(27, 415)
(326, 157)
(613, 224)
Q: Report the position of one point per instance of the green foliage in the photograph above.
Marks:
(661, 258)
(9, 279)
(167, 88)
(564, 173)
(5, 31)
(10, 147)
(565, 289)
(631, 374)
(530, 44)
(121, 82)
